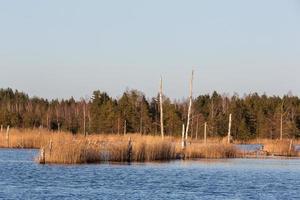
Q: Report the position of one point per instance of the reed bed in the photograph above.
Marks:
(277, 147)
(101, 148)
(153, 149)
(68, 149)
(280, 148)
(211, 151)
(65, 148)
(28, 139)
(130, 148)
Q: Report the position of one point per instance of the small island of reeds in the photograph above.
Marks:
(66, 148)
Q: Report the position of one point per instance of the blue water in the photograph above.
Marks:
(22, 178)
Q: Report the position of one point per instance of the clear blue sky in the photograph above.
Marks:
(70, 48)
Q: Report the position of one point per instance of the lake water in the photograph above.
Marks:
(22, 178)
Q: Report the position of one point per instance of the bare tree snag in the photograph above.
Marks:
(229, 129)
(118, 125)
(125, 127)
(48, 124)
(205, 132)
(281, 126)
(190, 105)
(281, 120)
(197, 127)
(141, 125)
(42, 156)
(291, 146)
(84, 118)
(7, 136)
(161, 109)
(192, 127)
(183, 141)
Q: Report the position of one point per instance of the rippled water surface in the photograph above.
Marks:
(21, 178)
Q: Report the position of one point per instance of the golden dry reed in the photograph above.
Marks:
(285, 147)
(68, 149)
(280, 147)
(28, 139)
(65, 148)
(211, 151)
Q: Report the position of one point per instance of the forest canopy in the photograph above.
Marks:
(253, 115)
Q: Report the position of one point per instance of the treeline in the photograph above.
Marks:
(253, 116)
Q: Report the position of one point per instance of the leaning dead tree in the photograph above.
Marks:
(190, 105)
(161, 109)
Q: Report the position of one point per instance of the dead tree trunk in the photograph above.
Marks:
(118, 125)
(84, 119)
(190, 106)
(7, 136)
(141, 125)
(197, 127)
(42, 159)
(48, 124)
(291, 146)
(205, 132)
(183, 141)
(229, 130)
(281, 126)
(125, 127)
(161, 109)
(281, 120)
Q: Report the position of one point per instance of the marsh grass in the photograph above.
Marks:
(65, 148)
(277, 147)
(28, 139)
(68, 149)
(211, 151)
(280, 147)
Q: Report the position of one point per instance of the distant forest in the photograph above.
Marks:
(253, 115)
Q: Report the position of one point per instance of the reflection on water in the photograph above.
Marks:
(21, 178)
